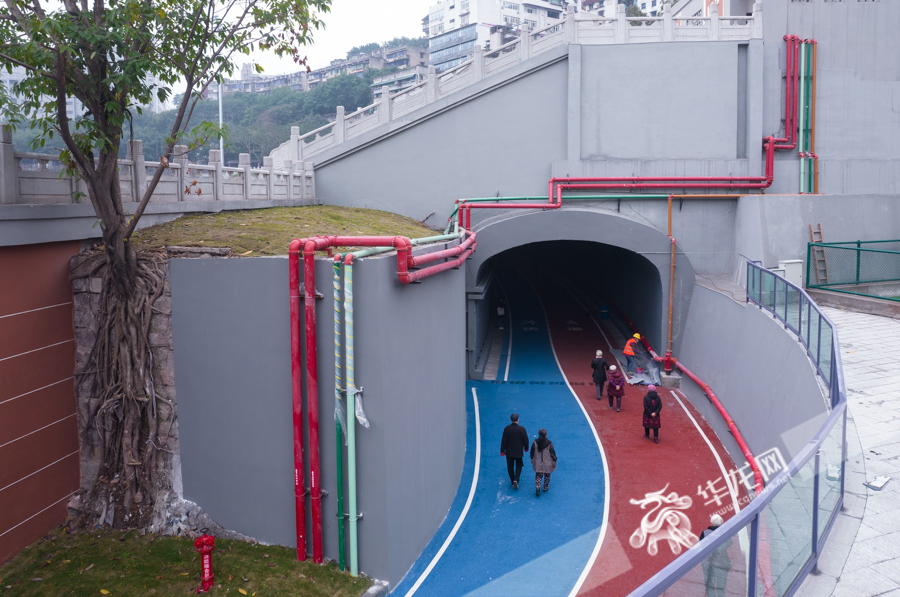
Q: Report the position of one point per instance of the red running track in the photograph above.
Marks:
(682, 462)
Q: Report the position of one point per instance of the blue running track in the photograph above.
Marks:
(512, 542)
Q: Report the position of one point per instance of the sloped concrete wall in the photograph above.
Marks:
(232, 366)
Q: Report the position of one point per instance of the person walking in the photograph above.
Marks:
(652, 406)
(543, 461)
(615, 387)
(599, 365)
(513, 446)
(718, 564)
(628, 351)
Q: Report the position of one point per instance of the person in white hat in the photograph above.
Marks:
(600, 366)
(717, 565)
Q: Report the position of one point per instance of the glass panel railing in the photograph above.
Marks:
(723, 572)
(830, 471)
(780, 295)
(814, 336)
(793, 308)
(825, 350)
(753, 283)
(768, 291)
(804, 321)
(785, 534)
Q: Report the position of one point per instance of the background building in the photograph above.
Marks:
(455, 27)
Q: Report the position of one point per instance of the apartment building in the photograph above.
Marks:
(399, 81)
(455, 27)
(402, 57)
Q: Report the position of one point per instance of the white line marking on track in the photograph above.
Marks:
(465, 509)
(731, 489)
(590, 563)
(509, 322)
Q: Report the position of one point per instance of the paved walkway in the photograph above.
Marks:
(862, 555)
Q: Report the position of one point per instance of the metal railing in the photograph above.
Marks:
(782, 531)
(864, 268)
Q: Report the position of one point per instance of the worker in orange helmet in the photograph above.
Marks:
(629, 353)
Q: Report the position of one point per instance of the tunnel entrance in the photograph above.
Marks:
(600, 276)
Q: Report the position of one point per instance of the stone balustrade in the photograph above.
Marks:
(577, 28)
(40, 179)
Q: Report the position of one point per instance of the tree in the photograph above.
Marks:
(634, 11)
(419, 42)
(113, 56)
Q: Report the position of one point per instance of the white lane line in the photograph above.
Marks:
(590, 563)
(509, 322)
(37, 390)
(37, 349)
(465, 509)
(33, 310)
(731, 489)
(38, 513)
(39, 470)
(36, 430)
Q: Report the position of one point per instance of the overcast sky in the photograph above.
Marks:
(352, 23)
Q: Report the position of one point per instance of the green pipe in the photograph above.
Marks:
(801, 130)
(809, 161)
(351, 418)
(338, 434)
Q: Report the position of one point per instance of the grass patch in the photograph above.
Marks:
(269, 231)
(127, 564)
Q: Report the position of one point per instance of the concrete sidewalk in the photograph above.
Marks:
(862, 555)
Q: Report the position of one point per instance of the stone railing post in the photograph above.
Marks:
(135, 153)
(668, 23)
(269, 164)
(215, 160)
(289, 168)
(756, 31)
(713, 22)
(478, 63)
(384, 108)
(244, 164)
(430, 85)
(571, 25)
(621, 25)
(339, 126)
(9, 183)
(180, 157)
(295, 142)
(524, 45)
(309, 181)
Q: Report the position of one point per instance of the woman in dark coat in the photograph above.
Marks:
(615, 387)
(543, 460)
(652, 406)
(599, 366)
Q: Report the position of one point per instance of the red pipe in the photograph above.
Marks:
(296, 398)
(309, 246)
(757, 474)
(791, 99)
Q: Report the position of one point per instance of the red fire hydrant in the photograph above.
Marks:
(205, 545)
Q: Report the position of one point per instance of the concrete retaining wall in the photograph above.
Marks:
(232, 365)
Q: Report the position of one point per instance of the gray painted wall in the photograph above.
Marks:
(757, 369)
(586, 223)
(858, 99)
(232, 363)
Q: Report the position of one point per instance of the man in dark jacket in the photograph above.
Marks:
(513, 446)
(717, 565)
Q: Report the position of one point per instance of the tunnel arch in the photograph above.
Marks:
(632, 257)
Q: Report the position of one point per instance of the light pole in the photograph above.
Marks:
(221, 140)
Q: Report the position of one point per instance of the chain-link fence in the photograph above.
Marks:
(866, 268)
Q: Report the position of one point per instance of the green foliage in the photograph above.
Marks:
(419, 42)
(115, 56)
(634, 11)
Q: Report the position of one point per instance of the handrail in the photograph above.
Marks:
(490, 53)
(750, 516)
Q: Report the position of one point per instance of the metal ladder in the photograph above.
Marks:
(818, 255)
